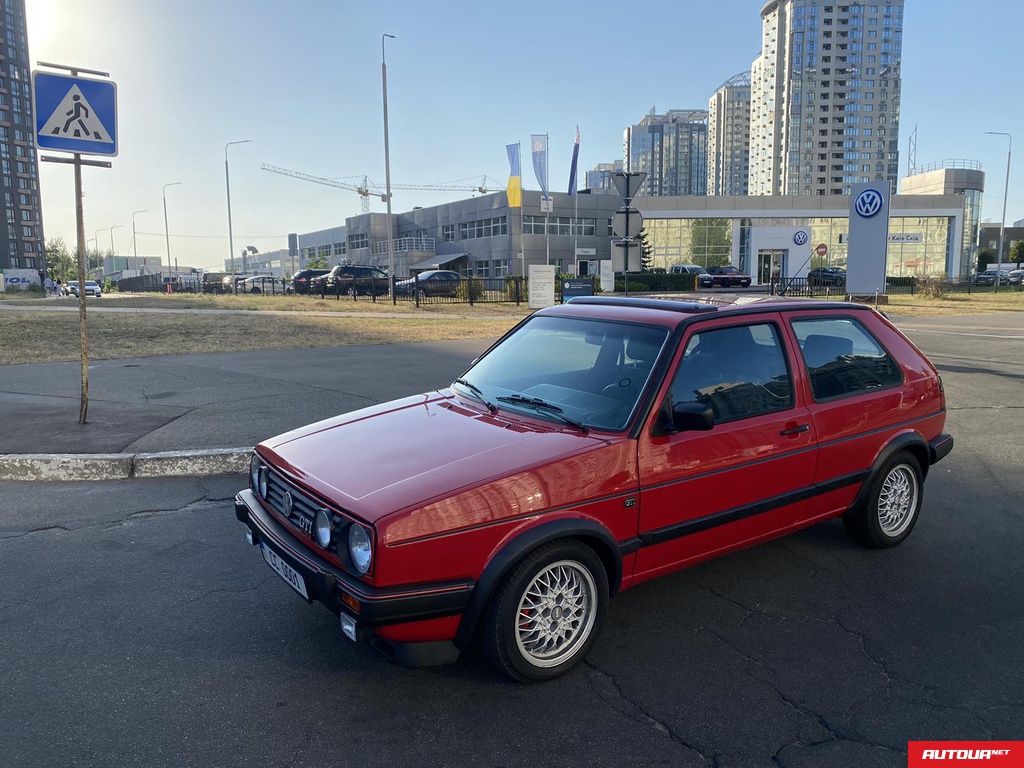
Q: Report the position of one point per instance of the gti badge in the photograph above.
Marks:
(868, 203)
(800, 238)
(289, 502)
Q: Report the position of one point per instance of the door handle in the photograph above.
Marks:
(796, 430)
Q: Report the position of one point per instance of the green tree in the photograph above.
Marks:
(646, 251)
(317, 262)
(985, 257)
(1017, 252)
(59, 262)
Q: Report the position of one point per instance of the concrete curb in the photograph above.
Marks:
(63, 467)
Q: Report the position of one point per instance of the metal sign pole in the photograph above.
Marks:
(109, 147)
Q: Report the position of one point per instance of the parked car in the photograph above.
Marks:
(92, 288)
(988, 277)
(352, 279)
(301, 279)
(827, 276)
(597, 445)
(433, 282)
(261, 284)
(704, 280)
(727, 276)
(1014, 276)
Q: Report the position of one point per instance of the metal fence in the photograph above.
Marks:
(802, 286)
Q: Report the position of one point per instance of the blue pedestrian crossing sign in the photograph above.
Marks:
(75, 114)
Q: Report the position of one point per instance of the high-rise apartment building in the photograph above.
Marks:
(672, 149)
(729, 137)
(825, 97)
(21, 234)
(600, 179)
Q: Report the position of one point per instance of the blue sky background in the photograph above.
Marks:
(303, 81)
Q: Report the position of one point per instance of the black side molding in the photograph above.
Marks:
(939, 448)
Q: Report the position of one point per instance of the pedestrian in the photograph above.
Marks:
(58, 288)
(48, 284)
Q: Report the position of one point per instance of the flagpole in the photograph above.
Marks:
(547, 203)
(522, 247)
(575, 209)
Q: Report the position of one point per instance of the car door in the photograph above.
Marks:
(746, 479)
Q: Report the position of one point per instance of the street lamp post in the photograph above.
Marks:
(135, 242)
(1006, 194)
(227, 183)
(387, 169)
(167, 235)
(112, 251)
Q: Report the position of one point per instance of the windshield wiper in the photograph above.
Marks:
(544, 405)
(479, 393)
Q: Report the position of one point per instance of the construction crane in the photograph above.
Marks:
(366, 189)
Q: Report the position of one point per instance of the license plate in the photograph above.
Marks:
(284, 570)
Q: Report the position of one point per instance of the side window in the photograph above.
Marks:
(739, 371)
(843, 358)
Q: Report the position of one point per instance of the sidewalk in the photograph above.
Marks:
(198, 414)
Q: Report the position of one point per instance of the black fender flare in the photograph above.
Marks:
(907, 441)
(588, 531)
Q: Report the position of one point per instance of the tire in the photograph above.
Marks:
(560, 575)
(350, 291)
(893, 504)
(421, 295)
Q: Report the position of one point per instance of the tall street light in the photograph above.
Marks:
(387, 169)
(112, 251)
(1006, 194)
(167, 236)
(227, 182)
(135, 242)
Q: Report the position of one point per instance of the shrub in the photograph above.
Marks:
(657, 281)
(933, 287)
(470, 289)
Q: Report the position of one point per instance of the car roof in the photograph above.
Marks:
(672, 312)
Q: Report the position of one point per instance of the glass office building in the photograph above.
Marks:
(21, 236)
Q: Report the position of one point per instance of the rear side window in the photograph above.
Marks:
(843, 358)
(739, 371)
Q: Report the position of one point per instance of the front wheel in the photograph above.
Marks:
(893, 504)
(547, 612)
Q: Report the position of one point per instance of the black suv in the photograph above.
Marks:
(301, 280)
(352, 279)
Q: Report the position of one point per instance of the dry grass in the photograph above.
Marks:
(36, 337)
(297, 322)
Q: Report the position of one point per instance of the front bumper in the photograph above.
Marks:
(369, 607)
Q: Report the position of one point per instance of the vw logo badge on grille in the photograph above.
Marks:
(868, 203)
(800, 238)
(289, 502)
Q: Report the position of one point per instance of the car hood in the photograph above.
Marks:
(411, 452)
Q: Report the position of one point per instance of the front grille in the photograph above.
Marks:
(304, 507)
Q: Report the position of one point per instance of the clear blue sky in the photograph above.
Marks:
(303, 81)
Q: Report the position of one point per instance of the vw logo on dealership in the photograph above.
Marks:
(868, 203)
(801, 237)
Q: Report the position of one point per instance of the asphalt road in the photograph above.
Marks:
(138, 629)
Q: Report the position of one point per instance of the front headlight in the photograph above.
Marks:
(264, 473)
(254, 471)
(322, 528)
(360, 548)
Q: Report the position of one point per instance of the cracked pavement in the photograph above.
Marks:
(138, 628)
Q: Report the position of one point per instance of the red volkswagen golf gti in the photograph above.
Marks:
(597, 445)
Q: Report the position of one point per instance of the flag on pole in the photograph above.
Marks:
(575, 159)
(515, 177)
(539, 143)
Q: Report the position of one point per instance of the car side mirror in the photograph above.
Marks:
(683, 417)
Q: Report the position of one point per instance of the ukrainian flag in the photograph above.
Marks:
(515, 180)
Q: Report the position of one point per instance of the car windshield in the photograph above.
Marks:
(591, 372)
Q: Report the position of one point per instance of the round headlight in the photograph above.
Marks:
(254, 471)
(322, 528)
(360, 548)
(263, 482)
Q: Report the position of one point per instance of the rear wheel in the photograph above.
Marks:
(893, 504)
(547, 612)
